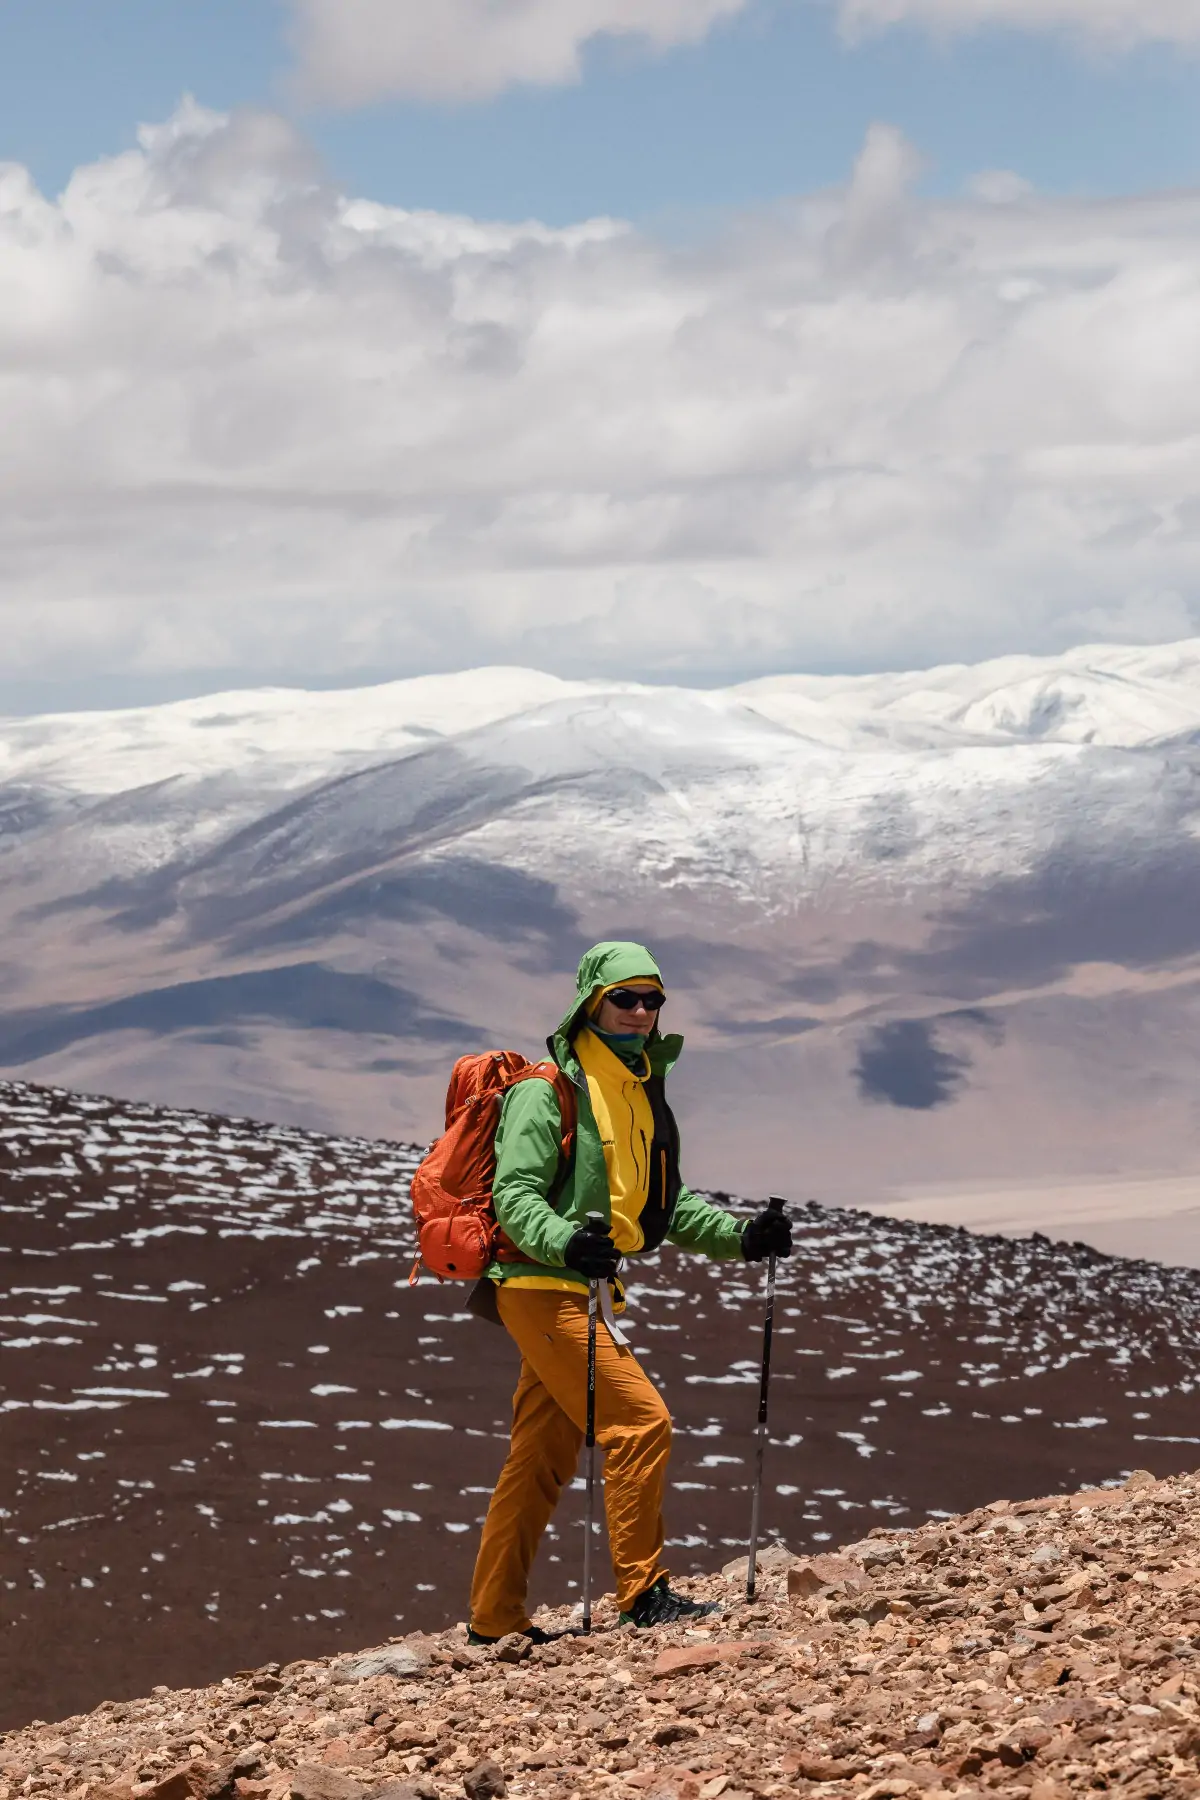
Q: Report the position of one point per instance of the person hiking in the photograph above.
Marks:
(624, 1166)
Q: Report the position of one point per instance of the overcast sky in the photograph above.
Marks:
(679, 339)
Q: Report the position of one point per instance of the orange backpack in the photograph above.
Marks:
(457, 1231)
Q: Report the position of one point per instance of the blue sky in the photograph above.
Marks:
(772, 103)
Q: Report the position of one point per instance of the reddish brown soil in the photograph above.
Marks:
(232, 1432)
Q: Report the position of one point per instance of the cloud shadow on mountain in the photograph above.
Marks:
(902, 1064)
(502, 904)
(24, 810)
(303, 996)
(1037, 929)
(1029, 932)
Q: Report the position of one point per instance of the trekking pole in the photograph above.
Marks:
(598, 1225)
(776, 1206)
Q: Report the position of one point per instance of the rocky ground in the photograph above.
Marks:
(1038, 1649)
(232, 1431)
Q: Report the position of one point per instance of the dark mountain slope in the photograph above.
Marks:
(232, 1431)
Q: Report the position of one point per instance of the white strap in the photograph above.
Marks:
(606, 1308)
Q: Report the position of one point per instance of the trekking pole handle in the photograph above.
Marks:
(597, 1224)
(775, 1205)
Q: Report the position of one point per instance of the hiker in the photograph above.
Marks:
(624, 1166)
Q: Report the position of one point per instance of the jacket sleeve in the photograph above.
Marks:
(698, 1225)
(528, 1148)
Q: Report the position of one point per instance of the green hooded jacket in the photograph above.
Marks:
(541, 1218)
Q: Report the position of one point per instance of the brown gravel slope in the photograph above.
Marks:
(1044, 1648)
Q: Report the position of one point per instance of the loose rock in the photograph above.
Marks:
(690, 1657)
(1044, 1649)
(320, 1783)
(485, 1782)
(400, 1661)
(818, 1574)
(775, 1559)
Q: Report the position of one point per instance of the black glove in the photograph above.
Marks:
(592, 1254)
(767, 1234)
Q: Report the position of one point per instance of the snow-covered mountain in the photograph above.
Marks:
(1106, 695)
(796, 778)
(284, 737)
(923, 902)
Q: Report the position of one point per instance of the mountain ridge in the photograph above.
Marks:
(833, 867)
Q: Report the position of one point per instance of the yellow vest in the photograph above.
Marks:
(625, 1122)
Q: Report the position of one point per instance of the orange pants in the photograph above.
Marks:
(633, 1428)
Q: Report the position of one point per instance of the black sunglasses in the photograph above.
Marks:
(629, 999)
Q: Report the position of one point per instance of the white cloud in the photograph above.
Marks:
(1120, 23)
(354, 51)
(351, 52)
(253, 427)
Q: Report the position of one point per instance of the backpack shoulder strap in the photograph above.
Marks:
(564, 1088)
(568, 1104)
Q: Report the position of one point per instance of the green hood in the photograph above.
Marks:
(603, 966)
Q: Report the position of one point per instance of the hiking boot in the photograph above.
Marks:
(534, 1633)
(659, 1606)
